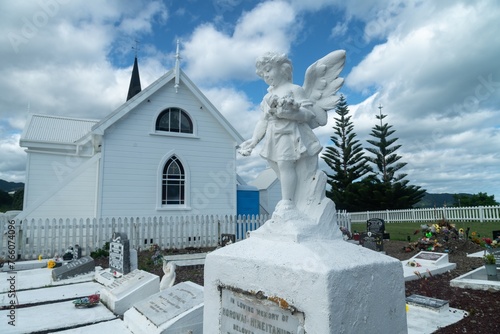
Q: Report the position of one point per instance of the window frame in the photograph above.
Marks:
(162, 193)
(176, 131)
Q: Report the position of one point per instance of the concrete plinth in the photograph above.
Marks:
(315, 286)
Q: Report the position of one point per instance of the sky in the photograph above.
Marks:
(432, 65)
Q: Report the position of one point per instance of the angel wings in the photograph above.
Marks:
(321, 83)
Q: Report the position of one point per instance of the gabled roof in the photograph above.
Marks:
(265, 179)
(55, 129)
(128, 106)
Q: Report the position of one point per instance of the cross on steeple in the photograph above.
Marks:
(136, 47)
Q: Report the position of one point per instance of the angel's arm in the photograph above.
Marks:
(258, 133)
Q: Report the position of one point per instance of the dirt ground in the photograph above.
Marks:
(483, 306)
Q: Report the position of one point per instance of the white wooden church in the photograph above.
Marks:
(166, 151)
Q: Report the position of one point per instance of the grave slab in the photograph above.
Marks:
(72, 291)
(74, 268)
(432, 304)
(26, 265)
(51, 317)
(476, 280)
(426, 264)
(129, 289)
(422, 320)
(114, 326)
(320, 286)
(38, 278)
(178, 309)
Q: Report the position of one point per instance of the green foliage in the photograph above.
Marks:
(101, 252)
(17, 200)
(345, 158)
(5, 201)
(479, 199)
(386, 189)
(8, 202)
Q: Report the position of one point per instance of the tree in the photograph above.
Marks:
(395, 192)
(17, 200)
(479, 199)
(345, 158)
(5, 201)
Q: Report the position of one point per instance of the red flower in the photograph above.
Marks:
(487, 241)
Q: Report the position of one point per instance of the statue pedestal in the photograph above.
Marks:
(264, 285)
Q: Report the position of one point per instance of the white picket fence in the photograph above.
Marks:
(29, 239)
(451, 214)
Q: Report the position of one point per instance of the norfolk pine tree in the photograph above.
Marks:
(345, 158)
(396, 193)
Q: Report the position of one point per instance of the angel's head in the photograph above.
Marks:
(278, 61)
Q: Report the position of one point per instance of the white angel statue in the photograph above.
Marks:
(289, 113)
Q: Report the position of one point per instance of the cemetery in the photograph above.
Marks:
(300, 272)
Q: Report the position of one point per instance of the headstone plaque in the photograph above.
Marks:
(244, 313)
(373, 241)
(169, 303)
(129, 289)
(119, 254)
(429, 256)
(433, 304)
(76, 267)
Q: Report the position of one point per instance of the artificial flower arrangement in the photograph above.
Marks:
(413, 264)
(489, 259)
(485, 242)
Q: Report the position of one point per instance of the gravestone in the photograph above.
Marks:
(373, 241)
(74, 268)
(375, 225)
(373, 238)
(72, 253)
(227, 239)
(119, 254)
(178, 309)
(121, 293)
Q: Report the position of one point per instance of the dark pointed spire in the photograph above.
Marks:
(135, 81)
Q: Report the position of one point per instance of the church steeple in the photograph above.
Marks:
(135, 81)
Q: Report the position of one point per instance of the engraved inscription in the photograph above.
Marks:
(241, 313)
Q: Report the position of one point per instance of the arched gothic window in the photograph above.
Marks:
(174, 120)
(173, 183)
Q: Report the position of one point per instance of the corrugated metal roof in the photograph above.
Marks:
(56, 129)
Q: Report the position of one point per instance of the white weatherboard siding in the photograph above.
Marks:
(133, 157)
(73, 197)
(46, 171)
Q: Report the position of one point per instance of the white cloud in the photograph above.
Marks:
(12, 159)
(214, 55)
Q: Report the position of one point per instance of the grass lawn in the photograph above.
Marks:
(400, 231)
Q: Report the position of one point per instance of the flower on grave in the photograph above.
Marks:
(489, 259)
(40, 257)
(51, 264)
(413, 264)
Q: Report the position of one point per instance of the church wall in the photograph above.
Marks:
(132, 157)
